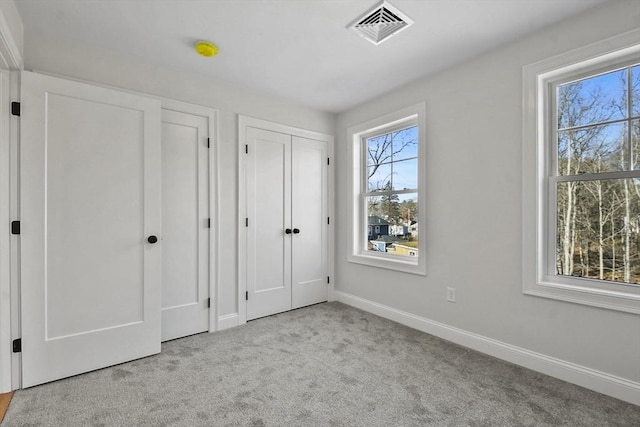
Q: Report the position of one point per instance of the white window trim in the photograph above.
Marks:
(357, 226)
(535, 154)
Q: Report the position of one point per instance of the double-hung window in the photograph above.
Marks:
(388, 191)
(581, 176)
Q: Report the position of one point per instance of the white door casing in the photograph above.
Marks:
(185, 224)
(90, 198)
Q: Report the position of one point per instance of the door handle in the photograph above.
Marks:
(288, 231)
(152, 239)
(296, 231)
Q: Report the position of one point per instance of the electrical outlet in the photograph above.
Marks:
(451, 294)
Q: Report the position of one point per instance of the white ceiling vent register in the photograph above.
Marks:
(380, 23)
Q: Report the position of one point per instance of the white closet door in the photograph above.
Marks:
(89, 200)
(269, 215)
(309, 217)
(185, 232)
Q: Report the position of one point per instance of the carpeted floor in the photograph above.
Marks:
(325, 365)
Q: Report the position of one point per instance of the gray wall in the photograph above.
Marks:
(473, 229)
(106, 67)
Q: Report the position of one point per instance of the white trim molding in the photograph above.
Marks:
(599, 381)
(228, 321)
(538, 272)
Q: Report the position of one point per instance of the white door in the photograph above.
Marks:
(269, 216)
(89, 204)
(310, 218)
(287, 222)
(185, 224)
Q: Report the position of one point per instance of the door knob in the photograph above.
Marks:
(296, 231)
(152, 239)
(288, 231)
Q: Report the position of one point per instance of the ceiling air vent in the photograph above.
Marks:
(380, 23)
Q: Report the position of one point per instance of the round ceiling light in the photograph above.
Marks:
(206, 49)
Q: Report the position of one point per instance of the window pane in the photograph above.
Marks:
(635, 90)
(392, 225)
(598, 226)
(405, 143)
(379, 149)
(593, 100)
(379, 177)
(592, 149)
(405, 175)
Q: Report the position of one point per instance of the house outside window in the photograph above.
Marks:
(581, 176)
(388, 190)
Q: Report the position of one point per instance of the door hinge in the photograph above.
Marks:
(208, 222)
(15, 109)
(17, 345)
(246, 295)
(208, 143)
(15, 227)
(208, 302)
(246, 148)
(328, 279)
(246, 222)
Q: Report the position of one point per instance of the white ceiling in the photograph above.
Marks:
(297, 49)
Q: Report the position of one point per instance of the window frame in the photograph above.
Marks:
(539, 174)
(356, 136)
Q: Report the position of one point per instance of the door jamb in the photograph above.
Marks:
(243, 123)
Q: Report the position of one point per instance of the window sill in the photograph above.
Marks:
(389, 262)
(628, 302)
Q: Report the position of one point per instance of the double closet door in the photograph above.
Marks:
(287, 222)
(108, 182)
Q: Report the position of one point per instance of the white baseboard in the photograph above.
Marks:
(602, 382)
(227, 321)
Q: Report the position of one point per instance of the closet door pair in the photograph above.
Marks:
(287, 222)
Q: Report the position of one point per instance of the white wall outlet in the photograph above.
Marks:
(451, 294)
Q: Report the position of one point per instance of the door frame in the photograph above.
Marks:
(243, 123)
(10, 61)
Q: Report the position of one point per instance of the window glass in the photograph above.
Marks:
(392, 169)
(598, 229)
(597, 219)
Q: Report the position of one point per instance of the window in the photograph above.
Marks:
(581, 176)
(388, 191)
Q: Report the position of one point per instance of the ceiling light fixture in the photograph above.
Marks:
(380, 22)
(206, 49)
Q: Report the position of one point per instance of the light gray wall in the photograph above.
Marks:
(106, 67)
(473, 230)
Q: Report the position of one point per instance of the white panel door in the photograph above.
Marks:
(89, 201)
(185, 228)
(269, 212)
(310, 220)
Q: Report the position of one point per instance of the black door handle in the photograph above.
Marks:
(152, 239)
(296, 231)
(288, 231)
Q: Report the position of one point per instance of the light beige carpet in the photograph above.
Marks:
(325, 365)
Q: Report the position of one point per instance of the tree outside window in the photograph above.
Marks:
(596, 184)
